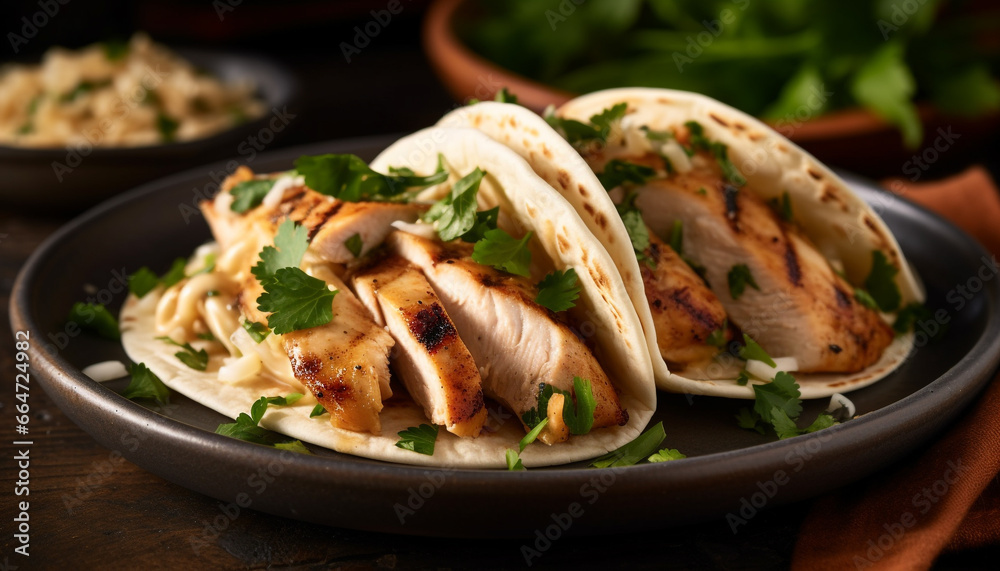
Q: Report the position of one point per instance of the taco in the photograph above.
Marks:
(443, 289)
(728, 237)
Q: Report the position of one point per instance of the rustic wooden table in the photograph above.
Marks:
(90, 509)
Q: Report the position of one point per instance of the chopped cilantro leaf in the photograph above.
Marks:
(142, 281)
(258, 331)
(751, 350)
(618, 172)
(486, 220)
(656, 135)
(783, 206)
(513, 461)
(535, 415)
(782, 394)
(249, 193)
(504, 96)
(631, 217)
(864, 298)
(349, 178)
(175, 273)
(504, 252)
(247, 426)
(354, 244)
(293, 446)
(318, 410)
(665, 455)
(717, 338)
(455, 214)
(597, 130)
(286, 400)
(677, 237)
(881, 283)
(743, 379)
(290, 245)
(739, 278)
(167, 126)
(197, 360)
(145, 385)
(83, 88)
(419, 439)
(750, 420)
(784, 426)
(909, 316)
(580, 419)
(296, 301)
(207, 336)
(96, 318)
(559, 290)
(639, 449)
(532, 434)
(698, 141)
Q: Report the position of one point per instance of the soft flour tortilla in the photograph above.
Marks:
(841, 224)
(527, 203)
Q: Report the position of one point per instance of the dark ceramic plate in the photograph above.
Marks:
(30, 179)
(728, 468)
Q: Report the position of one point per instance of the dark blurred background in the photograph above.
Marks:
(388, 88)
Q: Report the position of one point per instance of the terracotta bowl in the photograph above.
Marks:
(851, 138)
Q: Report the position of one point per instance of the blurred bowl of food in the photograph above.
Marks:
(867, 97)
(84, 124)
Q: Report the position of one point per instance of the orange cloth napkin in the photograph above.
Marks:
(881, 523)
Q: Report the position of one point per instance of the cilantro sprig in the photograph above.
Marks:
(739, 278)
(558, 290)
(579, 133)
(618, 172)
(698, 141)
(638, 233)
(294, 299)
(777, 406)
(146, 385)
(419, 439)
(144, 280)
(752, 350)
(249, 193)
(247, 426)
(499, 249)
(197, 360)
(644, 446)
(96, 318)
(881, 283)
(455, 214)
(349, 178)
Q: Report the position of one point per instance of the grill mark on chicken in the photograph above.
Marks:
(432, 328)
(792, 264)
(324, 218)
(842, 299)
(300, 191)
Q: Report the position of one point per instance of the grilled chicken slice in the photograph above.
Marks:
(802, 308)
(330, 222)
(432, 360)
(344, 364)
(516, 343)
(685, 311)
